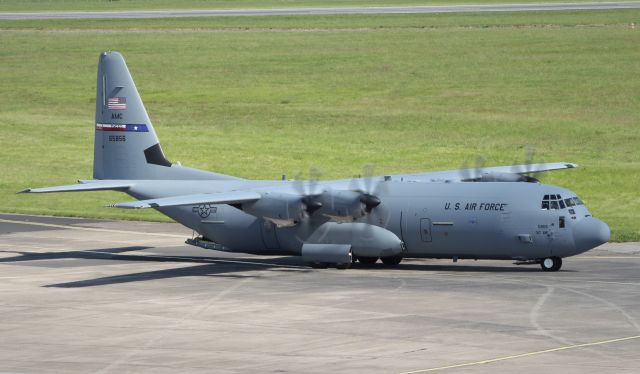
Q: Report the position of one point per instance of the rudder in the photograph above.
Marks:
(126, 145)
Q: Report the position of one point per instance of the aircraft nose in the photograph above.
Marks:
(589, 233)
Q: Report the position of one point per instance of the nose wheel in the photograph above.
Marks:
(551, 263)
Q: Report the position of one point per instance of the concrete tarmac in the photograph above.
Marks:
(321, 11)
(81, 295)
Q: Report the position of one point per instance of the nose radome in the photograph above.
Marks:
(589, 233)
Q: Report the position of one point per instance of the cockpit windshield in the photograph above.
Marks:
(555, 201)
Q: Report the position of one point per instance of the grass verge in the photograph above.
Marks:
(406, 93)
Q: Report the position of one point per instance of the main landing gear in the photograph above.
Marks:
(388, 261)
(551, 263)
(367, 260)
(391, 260)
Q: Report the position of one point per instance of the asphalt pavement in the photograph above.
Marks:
(83, 295)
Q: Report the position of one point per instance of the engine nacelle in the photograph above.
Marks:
(281, 209)
(341, 206)
(365, 240)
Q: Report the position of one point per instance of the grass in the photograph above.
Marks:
(107, 5)
(406, 93)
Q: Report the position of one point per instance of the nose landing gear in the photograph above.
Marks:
(551, 263)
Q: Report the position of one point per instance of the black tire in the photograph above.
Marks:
(343, 266)
(367, 260)
(551, 263)
(319, 265)
(391, 260)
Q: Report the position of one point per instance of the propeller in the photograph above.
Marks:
(526, 169)
(370, 188)
(520, 172)
(474, 174)
(356, 207)
(309, 190)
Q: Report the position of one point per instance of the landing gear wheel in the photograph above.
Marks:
(551, 263)
(318, 265)
(391, 260)
(367, 260)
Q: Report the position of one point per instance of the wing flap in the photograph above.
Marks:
(231, 197)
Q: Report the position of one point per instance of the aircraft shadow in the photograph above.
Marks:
(211, 266)
(226, 266)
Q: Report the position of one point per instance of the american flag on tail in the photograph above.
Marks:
(117, 103)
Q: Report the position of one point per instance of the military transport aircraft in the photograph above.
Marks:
(478, 213)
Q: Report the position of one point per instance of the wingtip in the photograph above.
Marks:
(26, 190)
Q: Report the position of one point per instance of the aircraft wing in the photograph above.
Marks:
(531, 168)
(231, 197)
(88, 185)
(466, 174)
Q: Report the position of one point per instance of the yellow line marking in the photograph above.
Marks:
(93, 229)
(489, 361)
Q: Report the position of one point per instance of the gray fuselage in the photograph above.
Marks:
(484, 220)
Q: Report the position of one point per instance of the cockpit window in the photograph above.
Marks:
(555, 201)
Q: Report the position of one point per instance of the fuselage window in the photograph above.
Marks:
(578, 201)
(561, 204)
(545, 205)
(569, 202)
(553, 204)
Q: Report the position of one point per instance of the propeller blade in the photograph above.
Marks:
(525, 169)
(308, 190)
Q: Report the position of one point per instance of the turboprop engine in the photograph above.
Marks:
(341, 206)
(285, 209)
(279, 208)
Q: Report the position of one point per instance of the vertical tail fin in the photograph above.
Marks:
(126, 145)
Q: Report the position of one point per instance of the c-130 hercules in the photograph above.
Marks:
(489, 213)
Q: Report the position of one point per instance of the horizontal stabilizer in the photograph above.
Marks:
(232, 197)
(83, 186)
